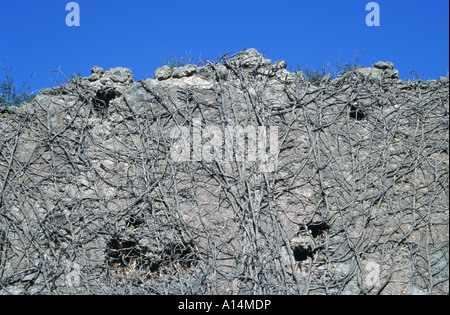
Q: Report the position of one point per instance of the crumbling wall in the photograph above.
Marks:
(115, 186)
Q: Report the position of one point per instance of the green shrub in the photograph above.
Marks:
(335, 69)
(314, 76)
(10, 94)
(175, 62)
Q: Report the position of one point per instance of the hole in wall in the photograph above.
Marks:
(122, 253)
(302, 253)
(103, 97)
(318, 230)
(304, 245)
(356, 112)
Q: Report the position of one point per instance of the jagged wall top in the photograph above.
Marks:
(250, 61)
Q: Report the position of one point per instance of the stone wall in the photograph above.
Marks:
(179, 184)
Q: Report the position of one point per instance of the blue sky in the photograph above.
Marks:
(139, 34)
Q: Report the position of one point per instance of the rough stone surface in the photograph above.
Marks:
(384, 65)
(163, 73)
(96, 73)
(111, 186)
(184, 71)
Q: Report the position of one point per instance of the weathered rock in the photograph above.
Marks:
(163, 73)
(251, 58)
(370, 73)
(384, 65)
(184, 71)
(279, 65)
(222, 71)
(206, 72)
(96, 73)
(117, 75)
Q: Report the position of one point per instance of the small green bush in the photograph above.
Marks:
(175, 62)
(314, 76)
(335, 69)
(10, 94)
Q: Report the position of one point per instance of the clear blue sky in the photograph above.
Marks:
(139, 34)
